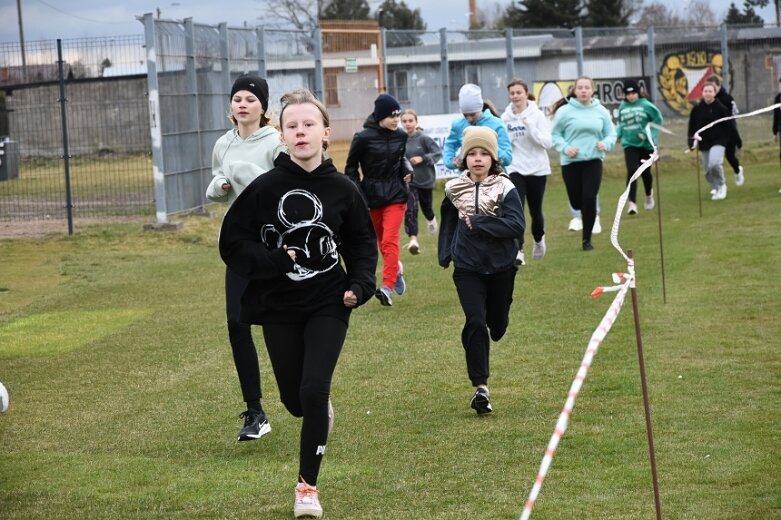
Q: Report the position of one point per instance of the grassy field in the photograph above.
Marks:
(125, 401)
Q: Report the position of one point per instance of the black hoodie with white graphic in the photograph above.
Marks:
(320, 215)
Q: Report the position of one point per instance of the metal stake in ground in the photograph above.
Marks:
(696, 151)
(658, 192)
(646, 403)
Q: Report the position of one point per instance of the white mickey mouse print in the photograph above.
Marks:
(300, 212)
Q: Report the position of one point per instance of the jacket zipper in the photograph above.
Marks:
(477, 196)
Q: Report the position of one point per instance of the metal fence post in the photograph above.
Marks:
(318, 51)
(652, 62)
(444, 71)
(725, 79)
(155, 130)
(384, 58)
(579, 49)
(225, 64)
(260, 35)
(65, 151)
(192, 90)
(510, 60)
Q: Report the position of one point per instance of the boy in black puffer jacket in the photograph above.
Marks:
(378, 150)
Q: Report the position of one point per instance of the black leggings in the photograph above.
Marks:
(245, 355)
(730, 153)
(422, 196)
(633, 157)
(531, 189)
(582, 180)
(486, 300)
(303, 356)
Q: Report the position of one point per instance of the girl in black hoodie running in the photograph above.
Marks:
(286, 233)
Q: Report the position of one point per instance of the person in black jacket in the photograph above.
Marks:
(713, 141)
(482, 218)
(301, 234)
(378, 150)
(735, 142)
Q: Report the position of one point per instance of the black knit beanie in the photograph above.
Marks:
(385, 105)
(254, 84)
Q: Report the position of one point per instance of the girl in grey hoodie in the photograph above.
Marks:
(423, 154)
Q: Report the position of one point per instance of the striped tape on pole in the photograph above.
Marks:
(593, 346)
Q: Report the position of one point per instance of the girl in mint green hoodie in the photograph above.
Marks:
(239, 156)
(582, 132)
(634, 113)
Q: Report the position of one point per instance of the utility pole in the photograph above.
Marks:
(472, 15)
(21, 40)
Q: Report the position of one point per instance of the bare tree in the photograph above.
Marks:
(659, 15)
(700, 13)
(300, 14)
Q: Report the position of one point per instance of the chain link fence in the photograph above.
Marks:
(102, 116)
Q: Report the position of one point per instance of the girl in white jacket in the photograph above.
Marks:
(530, 135)
(239, 156)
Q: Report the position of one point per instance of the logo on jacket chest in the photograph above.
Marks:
(516, 129)
(302, 230)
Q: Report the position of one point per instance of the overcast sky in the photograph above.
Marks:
(52, 19)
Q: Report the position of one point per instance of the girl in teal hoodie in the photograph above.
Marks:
(476, 112)
(634, 113)
(582, 133)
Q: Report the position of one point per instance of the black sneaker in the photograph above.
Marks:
(255, 425)
(587, 245)
(481, 402)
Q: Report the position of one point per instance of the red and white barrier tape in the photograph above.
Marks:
(593, 346)
(697, 137)
(624, 282)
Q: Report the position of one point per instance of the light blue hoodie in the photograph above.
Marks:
(452, 144)
(580, 126)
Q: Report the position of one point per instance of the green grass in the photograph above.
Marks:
(124, 400)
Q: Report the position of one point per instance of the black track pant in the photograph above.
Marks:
(245, 355)
(303, 356)
(486, 300)
(582, 180)
(730, 153)
(633, 157)
(417, 197)
(531, 190)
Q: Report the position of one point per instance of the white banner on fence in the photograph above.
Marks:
(437, 126)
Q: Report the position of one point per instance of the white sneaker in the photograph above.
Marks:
(520, 259)
(650, 203)
(721, 193)
(307, 501)
(576, 224)
(432, 225)
(539, 249)
(597, 229)
(739, 178)
(413, 247)
(631, 209)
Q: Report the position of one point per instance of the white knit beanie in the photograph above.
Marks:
(470, 99)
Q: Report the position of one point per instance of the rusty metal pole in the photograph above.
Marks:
(658, 192)
(646, 402)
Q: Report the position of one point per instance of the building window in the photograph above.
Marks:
(460, 74)
(398, 86)
(331, 89)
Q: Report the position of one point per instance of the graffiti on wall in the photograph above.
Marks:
(773, 64)
(683, 74)
(610, 92)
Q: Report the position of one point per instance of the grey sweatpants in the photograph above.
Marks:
(713, 160)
